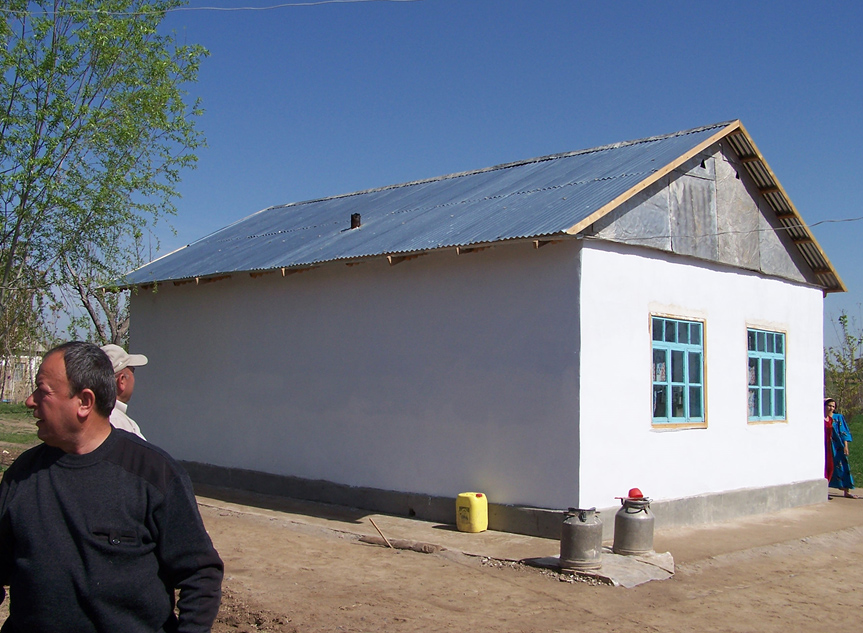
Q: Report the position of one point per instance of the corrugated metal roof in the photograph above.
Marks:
(536, 198)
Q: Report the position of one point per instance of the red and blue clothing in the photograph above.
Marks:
(839, 434)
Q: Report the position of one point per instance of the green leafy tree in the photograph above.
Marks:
(25, 334)
(94, 132)
(92, 286)
(843, 368)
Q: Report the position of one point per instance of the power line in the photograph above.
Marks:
(283, 5)
(310, 3)
(635, 238)
(833, 221)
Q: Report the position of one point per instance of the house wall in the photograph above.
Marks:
(621, 287)
(438, 375)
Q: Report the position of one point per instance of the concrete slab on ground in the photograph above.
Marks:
(683, 544)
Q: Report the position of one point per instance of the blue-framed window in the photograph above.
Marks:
(766, 375)
(678, 371)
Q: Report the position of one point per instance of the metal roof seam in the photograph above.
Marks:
(517, 193)
(280, 231)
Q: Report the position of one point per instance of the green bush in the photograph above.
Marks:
(855, 458)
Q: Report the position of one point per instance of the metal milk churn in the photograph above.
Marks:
(581, 540)
(633, 525)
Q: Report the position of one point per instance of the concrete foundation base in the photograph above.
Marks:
(543, 522)
(724, 506)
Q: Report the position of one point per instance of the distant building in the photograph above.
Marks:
(18, 374)
(551, 332)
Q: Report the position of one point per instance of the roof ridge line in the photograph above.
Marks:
(538, 159)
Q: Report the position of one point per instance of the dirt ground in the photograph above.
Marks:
(283, 576)
(15, 425)
(289, 576)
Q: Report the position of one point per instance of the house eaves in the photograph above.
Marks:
(786, 213)
(551, 197)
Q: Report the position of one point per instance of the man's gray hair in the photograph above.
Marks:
(88, 367)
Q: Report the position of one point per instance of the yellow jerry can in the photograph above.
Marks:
(471, 512)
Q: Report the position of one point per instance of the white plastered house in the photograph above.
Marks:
(551, 332)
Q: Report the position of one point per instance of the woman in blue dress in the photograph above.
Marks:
(841, 471)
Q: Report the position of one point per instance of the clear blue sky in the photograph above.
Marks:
(310, 101)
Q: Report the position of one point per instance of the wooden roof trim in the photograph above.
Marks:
(644, 184)
(733, 128)
(793, 210)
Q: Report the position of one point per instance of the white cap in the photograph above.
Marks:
(120, 359)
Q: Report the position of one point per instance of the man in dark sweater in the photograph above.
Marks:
(97, 526)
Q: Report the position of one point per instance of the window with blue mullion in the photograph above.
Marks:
(766, 375)
(678, 371)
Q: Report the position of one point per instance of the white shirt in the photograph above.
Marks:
(119, 420)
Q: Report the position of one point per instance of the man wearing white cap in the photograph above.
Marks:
(124, 373)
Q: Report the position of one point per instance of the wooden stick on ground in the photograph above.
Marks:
(390, 545)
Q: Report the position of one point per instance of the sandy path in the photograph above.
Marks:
(285, 576)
